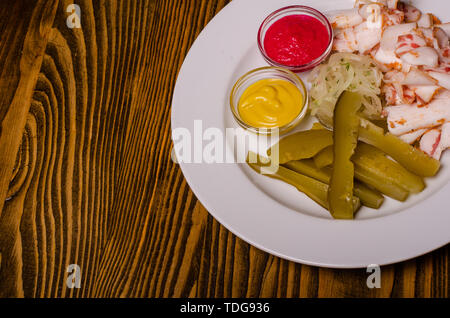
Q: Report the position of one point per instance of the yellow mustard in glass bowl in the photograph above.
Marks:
(269, 98)
(270, 103)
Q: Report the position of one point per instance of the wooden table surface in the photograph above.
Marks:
(86, 176)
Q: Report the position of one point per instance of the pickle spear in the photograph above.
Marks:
(324, 158)
(314, 189)
(369, 197)
(303, 145)
(346, 124)
(372, 177)
(409, 157)
(370, 158)
(308, 168)
(387, 187)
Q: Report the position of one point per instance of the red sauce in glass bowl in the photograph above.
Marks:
(296, 40)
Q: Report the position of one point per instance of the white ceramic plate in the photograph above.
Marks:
(272, 215)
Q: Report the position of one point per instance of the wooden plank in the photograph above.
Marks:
(24, 27)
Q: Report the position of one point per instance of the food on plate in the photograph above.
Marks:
(406, 118)
(267, 99)
(324, 158)
(435, 141)
(380, 161)
(270, 103)
(373, 179)
(370, 158)
(372, 176)
(367, 157)
(345, 71)
(408, 156)
(382, 100)
(295, 37)
(316, 190)
(345, 137)
(302, 145)
(412, 50)
(296, 40)
(368, 197)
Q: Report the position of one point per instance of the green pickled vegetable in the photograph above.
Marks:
(314, 189)
(369, 197)
(387, 187)
(302, 145)
(378, 182)
(308, 168)
(409, 157)
(346, 124)
(324, 158)
(367, 157)
(370, 158)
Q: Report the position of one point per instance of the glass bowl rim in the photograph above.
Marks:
(303, 67)
(269, 131)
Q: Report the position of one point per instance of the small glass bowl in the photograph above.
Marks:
(268, 72)
(294, 10)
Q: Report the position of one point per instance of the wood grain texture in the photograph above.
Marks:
(86, 176)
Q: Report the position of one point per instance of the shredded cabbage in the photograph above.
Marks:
(345, 71)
